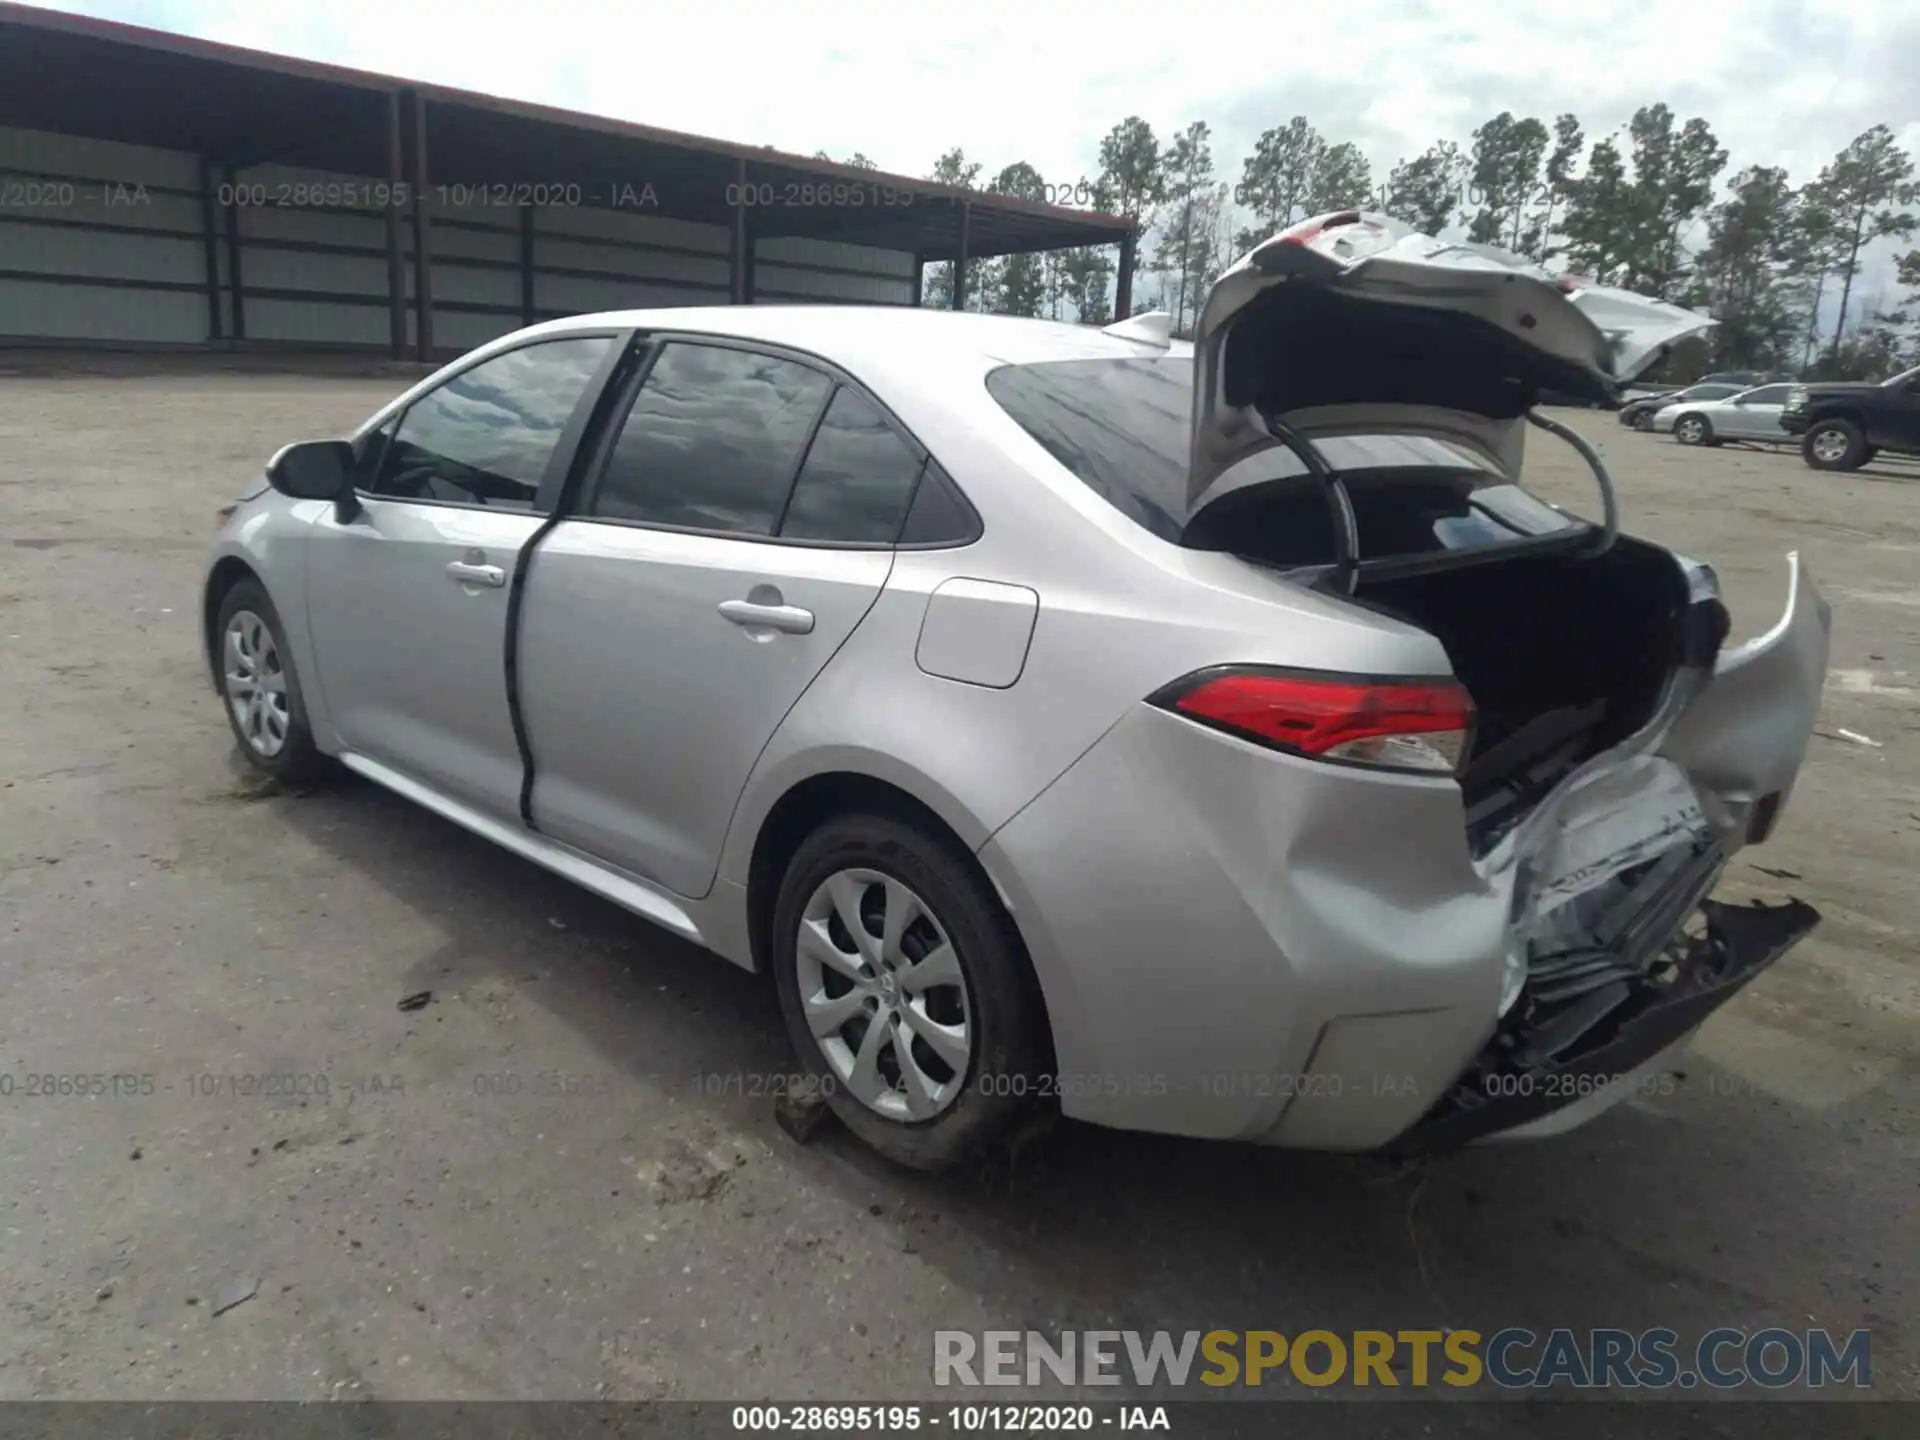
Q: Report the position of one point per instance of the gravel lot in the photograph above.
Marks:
(649, 1232)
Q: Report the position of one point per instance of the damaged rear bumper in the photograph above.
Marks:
(1517, 1085)
(1236, 943)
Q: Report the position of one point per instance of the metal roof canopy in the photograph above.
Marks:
(78, 75)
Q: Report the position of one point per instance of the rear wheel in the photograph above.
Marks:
(1693, 430)
(1834, 445)
(906, 991)
(262, 693)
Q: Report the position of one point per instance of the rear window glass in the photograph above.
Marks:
(1123, 428)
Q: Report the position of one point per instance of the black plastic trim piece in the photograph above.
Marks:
(1741, 941)
(806, 449)
(934, 481)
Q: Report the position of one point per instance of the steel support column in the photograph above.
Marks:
(210, 240)
(960, 259)
(422, 237)
(919, 279)
(233, 255)
(526, 264)
(396, 262)
(1123, 285)
(737, 246)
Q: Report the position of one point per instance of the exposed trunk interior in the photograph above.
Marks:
(1564, 658)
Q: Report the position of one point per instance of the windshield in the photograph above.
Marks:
(1903, 377)
(1123, 428)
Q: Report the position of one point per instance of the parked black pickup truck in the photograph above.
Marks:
(1845, 426)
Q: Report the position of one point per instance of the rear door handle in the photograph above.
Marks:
(788, 619)
(470, 574)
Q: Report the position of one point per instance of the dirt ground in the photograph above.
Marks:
(430, 1227)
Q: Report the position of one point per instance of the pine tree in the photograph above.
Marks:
(1425, 191)
(1507, 155)
(1276, 178)
(1863, 191)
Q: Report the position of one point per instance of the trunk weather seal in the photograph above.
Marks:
(1348, 568)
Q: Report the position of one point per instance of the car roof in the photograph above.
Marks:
(909, 355)
(902, 333)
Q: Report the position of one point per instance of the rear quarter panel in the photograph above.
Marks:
(1120, 614)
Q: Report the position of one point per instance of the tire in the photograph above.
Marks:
(868, 863)
(1835, 444)
(1693, 430)
(1643, 421)
(275, 738)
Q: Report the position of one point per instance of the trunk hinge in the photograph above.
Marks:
(1609, 502)
(1346, 530)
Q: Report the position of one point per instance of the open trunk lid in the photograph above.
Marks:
(1350, 324)
(1355, 325)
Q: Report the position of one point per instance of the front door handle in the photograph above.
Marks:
(470, 574)
(788, 619)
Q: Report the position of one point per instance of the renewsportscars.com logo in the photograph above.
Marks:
(1509, 1359)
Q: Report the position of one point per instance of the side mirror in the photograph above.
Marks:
(312, 470)
(317, 470)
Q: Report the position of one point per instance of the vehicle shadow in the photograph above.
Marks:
(1890, 470)
(1705, 1207)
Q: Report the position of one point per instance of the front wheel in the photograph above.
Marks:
(1834, 445)
(1643, 421)
(1693, 430)
(906, 991)
(260, 689)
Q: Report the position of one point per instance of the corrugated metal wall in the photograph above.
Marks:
(109, 243)
(100, 241)
(797, 269)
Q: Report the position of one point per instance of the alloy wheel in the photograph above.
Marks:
(883, 994)
(1690, 431)
(1830, 446)
(256, 683)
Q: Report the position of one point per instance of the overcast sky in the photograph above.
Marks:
(1781, 81)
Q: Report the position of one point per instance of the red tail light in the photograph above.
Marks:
(1387, 724)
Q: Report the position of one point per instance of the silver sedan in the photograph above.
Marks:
(1751, 415)
(1212, 739)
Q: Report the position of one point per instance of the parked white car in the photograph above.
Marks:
(1752, 416)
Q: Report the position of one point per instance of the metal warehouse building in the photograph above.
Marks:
(157, 190)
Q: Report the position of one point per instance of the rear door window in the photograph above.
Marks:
(713, 441)
(858, 478)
